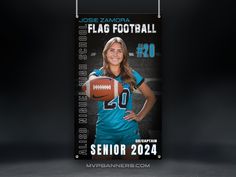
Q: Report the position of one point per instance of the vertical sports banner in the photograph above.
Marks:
(102, 128)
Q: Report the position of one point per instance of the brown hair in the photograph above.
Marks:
(126, 71)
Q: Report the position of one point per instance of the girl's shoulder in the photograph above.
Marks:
(138, 78)
(97, 72)
(135, 73)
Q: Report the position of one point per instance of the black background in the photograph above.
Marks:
(198, 72)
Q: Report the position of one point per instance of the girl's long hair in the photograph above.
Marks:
(126, 71)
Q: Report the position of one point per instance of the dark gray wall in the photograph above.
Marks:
(198, 69)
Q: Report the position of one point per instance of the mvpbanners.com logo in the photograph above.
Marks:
(118, 165)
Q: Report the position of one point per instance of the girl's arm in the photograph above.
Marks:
(92, 77)
(149, 102)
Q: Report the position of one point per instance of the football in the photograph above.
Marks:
(102, 88)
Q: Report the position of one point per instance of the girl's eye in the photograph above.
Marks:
(113, 50)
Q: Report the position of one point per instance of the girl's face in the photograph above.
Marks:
(115, 54)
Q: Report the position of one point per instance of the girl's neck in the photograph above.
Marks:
(115, 70)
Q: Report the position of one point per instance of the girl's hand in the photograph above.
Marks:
(132, 116)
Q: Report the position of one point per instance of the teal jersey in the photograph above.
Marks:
(111, 113)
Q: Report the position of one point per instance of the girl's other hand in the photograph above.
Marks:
(132, 116)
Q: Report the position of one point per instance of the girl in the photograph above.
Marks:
(117, 123)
